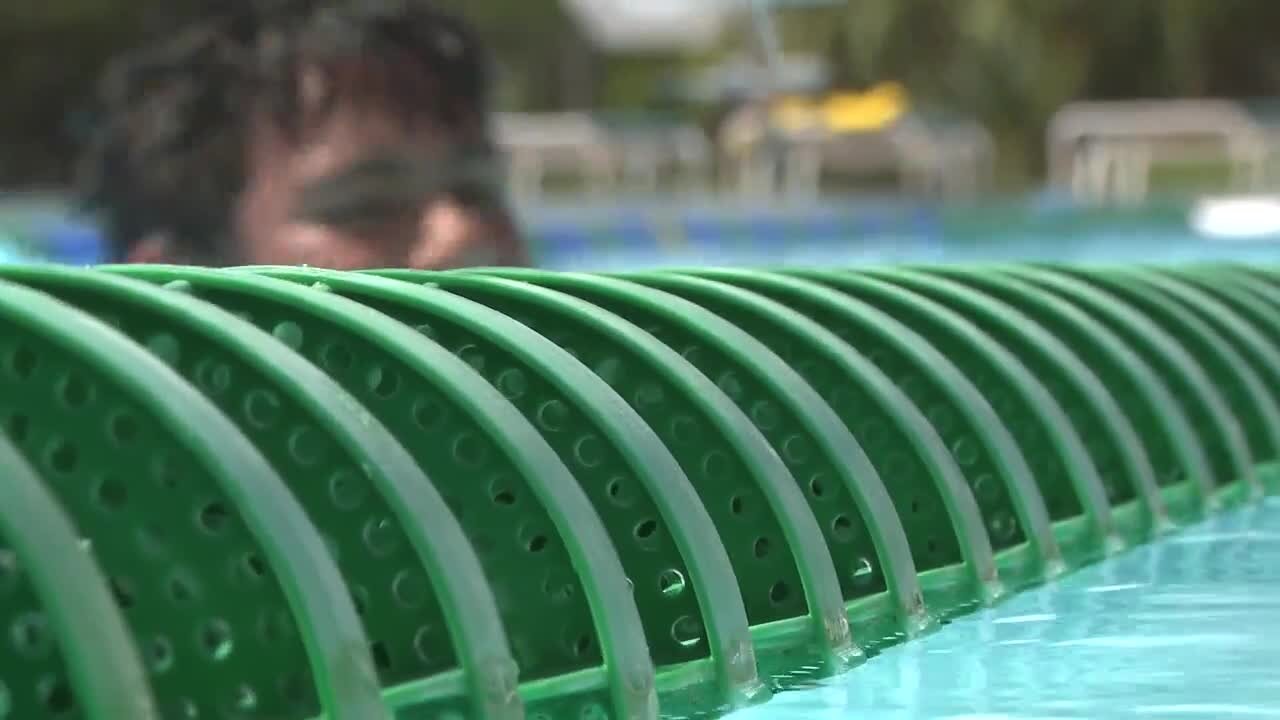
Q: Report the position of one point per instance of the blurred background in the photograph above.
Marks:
(648, 132)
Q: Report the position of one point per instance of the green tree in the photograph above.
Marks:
(1010, 63)
(1013, 63)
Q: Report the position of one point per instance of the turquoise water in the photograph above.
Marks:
(1187, 628)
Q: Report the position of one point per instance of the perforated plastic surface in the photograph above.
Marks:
(1222, 433)
(305, 425)
(1176, 452)
(764, 526)
(1119, 461)
(997, 473)
(682, 580)
(785, 411)
(459, 428)
(223, 581)
(1201, 326)
(850, 385)
(1066, 478)
(289, 493)
(1248, 313)
(69, 651)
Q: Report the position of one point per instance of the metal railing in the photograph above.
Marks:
(749, 159)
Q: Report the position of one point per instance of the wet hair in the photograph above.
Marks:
(168, 154)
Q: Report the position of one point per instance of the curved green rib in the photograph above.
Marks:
(482, 336)
(1038, 423)
(1108, 436)
(715, 442)
(852, 385)
(94, 642)
(147, 312)
(616, 622)
(1177, 454)
(330, 628)
(722, 347)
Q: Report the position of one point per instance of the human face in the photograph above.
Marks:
(437, 233)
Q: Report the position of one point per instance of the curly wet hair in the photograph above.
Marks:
(168, 153)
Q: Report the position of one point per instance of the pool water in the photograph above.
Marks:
(1188, 627)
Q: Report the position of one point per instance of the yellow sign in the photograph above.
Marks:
(846, 112)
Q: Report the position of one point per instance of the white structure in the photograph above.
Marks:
(647, 25)
(574, 146)
(949, 161)
(952, 161)
(538, 145)
(1105, 151)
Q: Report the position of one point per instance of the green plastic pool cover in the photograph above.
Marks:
(291, 494)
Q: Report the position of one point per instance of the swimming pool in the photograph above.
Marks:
(1187, 627)
(634, 233)
(619, 235)
(695, 489)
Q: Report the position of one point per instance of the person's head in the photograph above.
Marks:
(302, 131)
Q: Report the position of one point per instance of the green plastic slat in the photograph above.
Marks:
(1257, 304)
(1012, 509)
(70, 654)
(1111, 441)
(801, 430)
(1267, 276)
(1239, 359)
(1155, 347)
(417, 600)
(1077, 503)
(1178, 456)
(127, 444)
(1250, 299)
(668, 544)
(578, 652)
(1171, 338)
(1251, 284)
(776, 545)
(928, 490)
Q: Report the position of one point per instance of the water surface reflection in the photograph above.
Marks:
(1185, 628)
